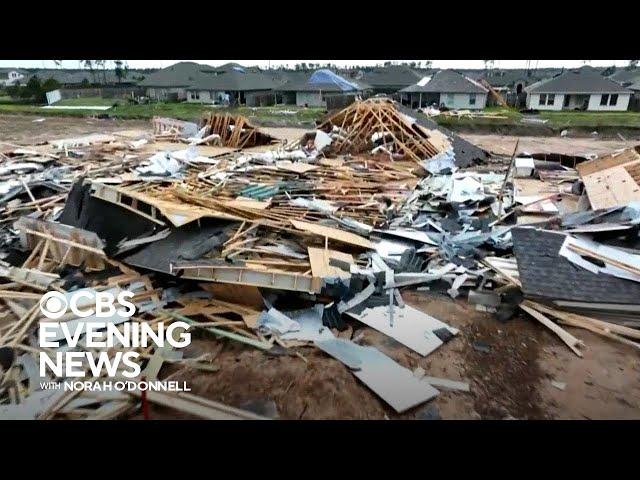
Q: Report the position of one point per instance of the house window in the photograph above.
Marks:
(613, 99)
(472, 99)
(547, 99)
(604, 99)
(450, 98)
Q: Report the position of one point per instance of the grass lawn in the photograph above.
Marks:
(89, 101)
(277, 115)
(556, 120)
(592, 119)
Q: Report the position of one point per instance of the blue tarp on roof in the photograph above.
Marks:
(327, 76)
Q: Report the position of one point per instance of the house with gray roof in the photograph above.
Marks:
(446, 88)
(629, 78)
(12, 76)
(580, 89)
(390, 79)
(230, 83)
(314, 90)
(197, 83)
(171, 83)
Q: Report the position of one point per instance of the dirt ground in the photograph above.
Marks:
(504, 144)
(513, 379)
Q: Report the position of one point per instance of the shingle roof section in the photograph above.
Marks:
(393, 76)
(181, 74)
(584, 80)
(622, 76)
(545, 274)
(447, 81)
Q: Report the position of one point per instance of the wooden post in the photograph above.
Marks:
(506, 177)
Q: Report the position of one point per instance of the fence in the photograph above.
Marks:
(104, 92)
(260, 99)
(338, 102)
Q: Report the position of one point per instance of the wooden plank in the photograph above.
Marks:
(334, 234)
(197, 406)
(582, 321)
(319, 260)
(571, 341)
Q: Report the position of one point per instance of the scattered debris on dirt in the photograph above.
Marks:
(302, 273)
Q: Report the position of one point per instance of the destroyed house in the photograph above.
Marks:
(581, 89)
(447, 89)
(322, 84)
(390, 79)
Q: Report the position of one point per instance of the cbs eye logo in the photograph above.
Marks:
(54, 305)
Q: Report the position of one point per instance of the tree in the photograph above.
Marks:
(119, 71)
(103, 64)
(427, 64)
(33, 88)
(632, 64)
(488, 64)
(89, 64)
(48, 85)
(14, 90)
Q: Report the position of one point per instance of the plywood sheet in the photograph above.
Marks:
(246, 295)
(297, 167)
(610, 188)
(319, 260)
(609, 161)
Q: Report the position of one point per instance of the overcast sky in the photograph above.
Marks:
(266, 63)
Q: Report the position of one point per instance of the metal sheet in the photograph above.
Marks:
(411, 327)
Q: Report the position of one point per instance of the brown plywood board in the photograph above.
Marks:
(609, 161)
(319, 260)
(610, 188)
(246, 295)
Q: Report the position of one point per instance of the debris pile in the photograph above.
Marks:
(235, 131)
(281, 250)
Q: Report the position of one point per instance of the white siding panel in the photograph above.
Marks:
(533, 101)
(621, 105)
(312, 99)
(461, 100)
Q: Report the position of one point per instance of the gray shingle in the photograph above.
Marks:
(546, 275)
(447, 81)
